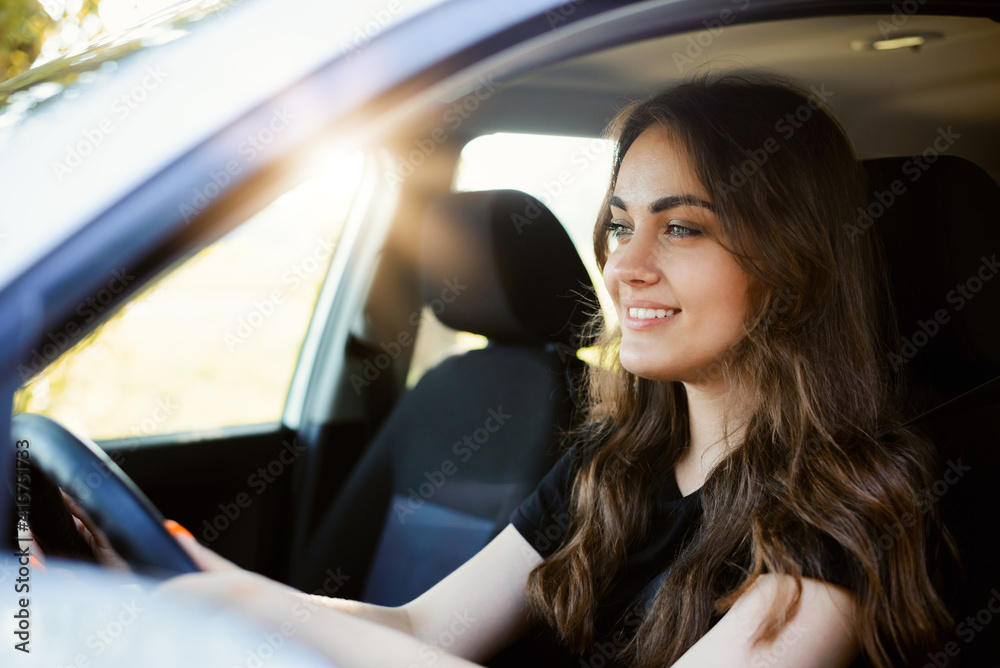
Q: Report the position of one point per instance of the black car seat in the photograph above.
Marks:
(939, 221)
(477, 433)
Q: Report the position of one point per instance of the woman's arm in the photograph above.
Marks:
(488, 588)
(473, 613)
(820, 634)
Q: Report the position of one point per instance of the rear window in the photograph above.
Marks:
(569, 175)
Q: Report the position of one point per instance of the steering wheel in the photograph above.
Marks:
(134, 526)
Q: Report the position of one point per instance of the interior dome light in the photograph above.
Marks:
(914, 41)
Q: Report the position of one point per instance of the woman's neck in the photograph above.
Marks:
(706, 408)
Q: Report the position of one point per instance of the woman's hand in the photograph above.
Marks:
(224, 584)
(97, 540)
(107, 556)
(204, 558)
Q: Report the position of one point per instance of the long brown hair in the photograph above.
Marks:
(810, 470)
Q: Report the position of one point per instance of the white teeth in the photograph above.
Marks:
(649, 313)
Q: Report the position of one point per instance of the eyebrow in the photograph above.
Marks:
(665, 203)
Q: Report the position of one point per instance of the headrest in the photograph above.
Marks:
(499, 264)
(939, 220)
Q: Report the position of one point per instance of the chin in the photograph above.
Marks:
(647, 369)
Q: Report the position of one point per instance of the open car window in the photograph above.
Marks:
(213, 342)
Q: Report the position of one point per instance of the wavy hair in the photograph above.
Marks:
(812, 470)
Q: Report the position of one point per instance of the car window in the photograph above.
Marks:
(435, 341)
(568, 174)
(212, 343)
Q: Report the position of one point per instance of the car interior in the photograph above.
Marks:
(396, 478)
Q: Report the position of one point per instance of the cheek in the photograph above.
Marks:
(716, 290)
(729, 290)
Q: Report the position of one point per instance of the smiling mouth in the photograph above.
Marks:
(651, 313)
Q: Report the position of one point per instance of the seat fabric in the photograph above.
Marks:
(939, 222)
(477, 433)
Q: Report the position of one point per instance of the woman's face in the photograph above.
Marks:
(661, 259)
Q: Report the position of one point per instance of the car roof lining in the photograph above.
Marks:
(953, 78)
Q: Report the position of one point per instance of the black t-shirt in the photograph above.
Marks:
(543, 518)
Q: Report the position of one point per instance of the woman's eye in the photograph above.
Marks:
(616, 232)
(615, 229)
(680, 232)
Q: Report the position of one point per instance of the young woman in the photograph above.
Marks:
(729, 500)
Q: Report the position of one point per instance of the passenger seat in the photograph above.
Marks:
(474, 437)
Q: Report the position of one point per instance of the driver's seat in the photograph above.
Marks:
(477, 433)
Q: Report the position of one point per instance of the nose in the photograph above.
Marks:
(635, 260)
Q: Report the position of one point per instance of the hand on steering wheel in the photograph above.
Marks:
(99, 544)
(119, 517)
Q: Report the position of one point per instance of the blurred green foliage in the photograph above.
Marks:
(24, 26)
(22, 30)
